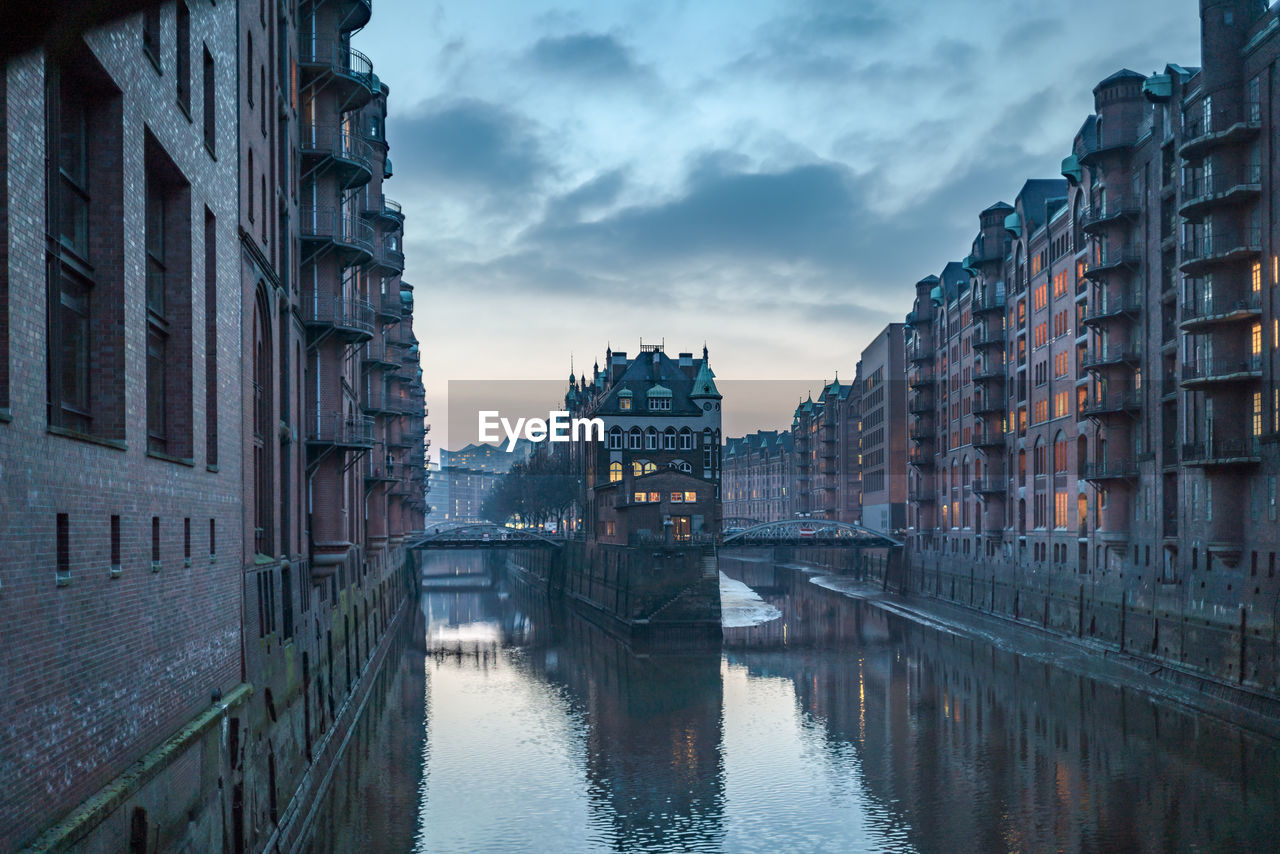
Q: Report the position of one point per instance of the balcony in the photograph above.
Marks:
(354, 14)
(1220, 189)
(336, 430)
(1109, 257)
(920, 458)
(920, 405)
(1226, 126)
(988, 438)
(376, 355)
(1222, 452)
(1228, 370)
(377, 402)
(1096, 150)
(991, 485)
(1212, 309)
(400, 335)
(919, 353)
(1109, 357)
(339, 151)
(995, 374)
(921, 433)
(1111, 307)
(350, 319)
(388, 257)
(388, 212)
(1097, 217)
(991, 301)
(389, 307)
(340, 68)
(987, 405)
(984, 255)
(921, 379)
(1112, 404)
(923, 497)
(987, 338)
(342, 232)
(1121, 469)
(1210, 250)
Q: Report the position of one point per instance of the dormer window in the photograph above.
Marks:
(624, 400)
(659, 399)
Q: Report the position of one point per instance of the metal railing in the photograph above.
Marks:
(1198, 187)
(1219, 305)
(1209, 246)
(343, 228)
(1110, 469)
(339, 143)
(335, 428)
(1227, 368)
(1114, 354)
(338, 56)
(1113, 208)
(342, 313)
(1118, 401)
(1210, 450)
(1112, 305)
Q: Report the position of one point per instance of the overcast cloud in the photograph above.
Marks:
(771, 177)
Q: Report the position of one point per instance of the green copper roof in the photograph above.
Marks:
(705, 384)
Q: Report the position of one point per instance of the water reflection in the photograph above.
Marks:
(838, 726)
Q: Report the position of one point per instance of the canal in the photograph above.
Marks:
(826, 723)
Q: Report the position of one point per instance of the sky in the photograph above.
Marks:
(771, 178)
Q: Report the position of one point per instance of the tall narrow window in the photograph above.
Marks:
(213, 538)
(84, 282)
(64, 547)
(155, 543)
(210, 338)
(186, 540)
(182, 70)
(210, 105)
(168, 303)
(151, 34)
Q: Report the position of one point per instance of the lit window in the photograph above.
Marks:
(615, 472)
(655, 497)
(639, 498)
(690, 497)
(677, 498)
(624, 403)
(637, 468)
(650, 468)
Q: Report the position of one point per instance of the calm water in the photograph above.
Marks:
(837, 726)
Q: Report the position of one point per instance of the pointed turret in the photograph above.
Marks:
(704, 385)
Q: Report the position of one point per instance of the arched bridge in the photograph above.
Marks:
(817, 533)
(485, 535)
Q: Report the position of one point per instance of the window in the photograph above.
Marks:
(655, 497)
(1257, 414)
(186, 540)
(151, 34)
(637, 468)
(84, 280)
(1060, 505)
(633, 439)
(1061, 404)
(210, 338)
(615, 438)
(248, 69)
(677, 498)
(690, 497)
(669, 438)
(155, 543)
(651, 440)
(686, 440)
(182, 70)
(115, 543)
(624, 403)
(1041, 334)
(615, 472)
(639, 497)
(1040, 297)
(168, 304)
(210, 105)
(64, 548)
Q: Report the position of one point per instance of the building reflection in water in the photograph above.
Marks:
(838, 726)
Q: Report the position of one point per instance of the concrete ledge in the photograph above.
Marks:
(63, 835)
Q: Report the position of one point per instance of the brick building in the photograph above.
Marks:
(1095, 398)
(825, 436)
(214, 445)
(880, 457)
(757, 477)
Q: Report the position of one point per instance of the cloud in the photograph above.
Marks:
(590, 57)
(470, 146)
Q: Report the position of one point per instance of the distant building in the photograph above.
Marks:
(881, 437)
(467, 477)
(757, 477)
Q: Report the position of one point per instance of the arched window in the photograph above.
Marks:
(649, 468)
(1038, 457)
(1060, 453)
(633, 439)
(637, 468)
(651, 439)
(615, 438)
(615, 471)
(669, 439)
(686, 439)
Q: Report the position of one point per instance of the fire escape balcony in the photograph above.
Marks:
(1210, 310)
(377, 402)
(921, 404)
(984, 255)
(354, 14)
(375, 355)
(1115, 403)
(400, 335)
(387, 212)
(1097, 217)
(345, 233)
(917, 352)
(988, 405)
(390, 307)
(991, 485)
(989, 374)
(381, 468)
(988, 338)
(1109, 257)
(987, 303)
(921, 379)
(337, 67)
(339, 151)
(924, 496)
(920, 458)
(921, 432)
(387, 256)
(1208, 372)
(1096, 151)
(1221, 189)
(1112, 307)
(350, 319)
(988, 438)
(1109, 357)
(1222, 452)
(333, 429)
(1114, 469)
(1226, 126)
(1211, 250)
